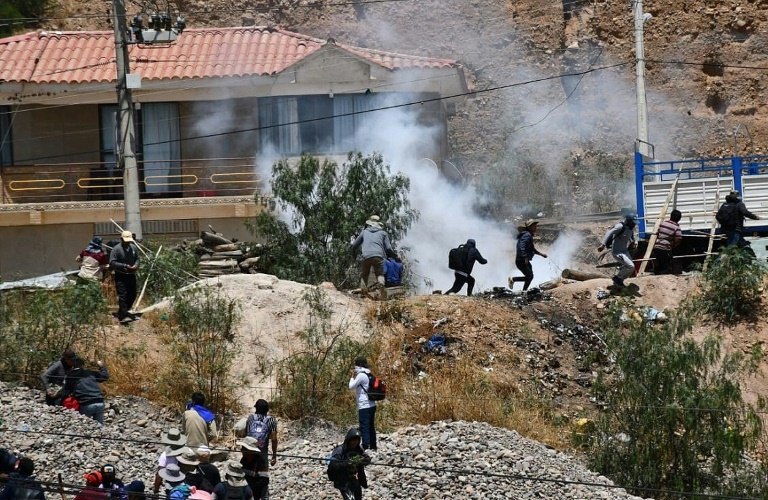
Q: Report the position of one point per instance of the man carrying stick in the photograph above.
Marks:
(124, 260)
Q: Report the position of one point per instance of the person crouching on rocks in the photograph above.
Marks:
(347, 466)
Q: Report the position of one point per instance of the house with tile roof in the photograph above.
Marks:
(206, 106)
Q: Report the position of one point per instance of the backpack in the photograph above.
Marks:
(377, 389)
(457, 258)
(234, 492)
(258, 429)
(728, 214)
(180, 491)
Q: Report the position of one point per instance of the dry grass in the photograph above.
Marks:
(459, 388)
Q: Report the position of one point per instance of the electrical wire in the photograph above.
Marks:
(436, 470)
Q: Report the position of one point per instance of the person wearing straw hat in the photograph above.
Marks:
(175, 444)
(234, 486)
(525, 253)
(124, 261)
(376, 247)
(172, 478)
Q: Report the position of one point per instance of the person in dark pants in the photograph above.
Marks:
(465, 275)
(124, 260)
(525, 253)
(346, 467)
(668, 237)
(83, 385)
(366, 409)
(734, 211)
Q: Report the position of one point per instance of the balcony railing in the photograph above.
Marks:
(45, 183)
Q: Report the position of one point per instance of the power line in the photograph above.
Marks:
(355, 113)
(436, 470)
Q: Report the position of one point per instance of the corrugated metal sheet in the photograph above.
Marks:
(89, 56)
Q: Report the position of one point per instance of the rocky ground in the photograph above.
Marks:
(441, 460)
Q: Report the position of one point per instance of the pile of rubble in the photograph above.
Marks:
(221, 256)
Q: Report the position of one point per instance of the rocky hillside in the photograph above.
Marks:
(433, 461)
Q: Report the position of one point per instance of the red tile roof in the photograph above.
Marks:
(89, 56)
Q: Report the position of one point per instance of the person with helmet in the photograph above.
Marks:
(621, 238)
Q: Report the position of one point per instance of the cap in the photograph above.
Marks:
(127, 236)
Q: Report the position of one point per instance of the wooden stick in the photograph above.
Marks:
(662, 214)
(712, 229)
(138, 245)
(144, 288)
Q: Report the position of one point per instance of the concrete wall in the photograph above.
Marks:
(39, 250)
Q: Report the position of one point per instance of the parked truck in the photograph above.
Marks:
(702, 185)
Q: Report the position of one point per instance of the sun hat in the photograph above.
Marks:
(174, 438)
(175, 451)
(531, 222)
(203, 450)
(374, 221)
(171, 473)
(233, 471)
(126, 236)
(249, 443)
(189, 457)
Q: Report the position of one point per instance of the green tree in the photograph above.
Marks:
(328, 205)
(674, 417)
(731, 286)
(313, 381)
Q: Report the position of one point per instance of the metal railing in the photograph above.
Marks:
(90, 181)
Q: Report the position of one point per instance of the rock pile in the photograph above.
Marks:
(442, 460)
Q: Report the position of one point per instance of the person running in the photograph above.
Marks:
(347, 466)
(464, 275)
(124, 260)
(620, 238)
(525, 253)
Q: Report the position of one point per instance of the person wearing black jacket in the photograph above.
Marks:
(55, 375)
(124, 261)
(465, 275)
(734, 225)
(83, 385)
(347, 466)
(525, 253)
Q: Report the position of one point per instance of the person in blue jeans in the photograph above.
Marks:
(83, 385)
(366, 409)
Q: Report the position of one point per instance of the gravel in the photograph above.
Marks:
(470, 460)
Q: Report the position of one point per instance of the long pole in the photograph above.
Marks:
(126, 154)
(642, 108)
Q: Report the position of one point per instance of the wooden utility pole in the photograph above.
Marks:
(126, 157)
(655, 234)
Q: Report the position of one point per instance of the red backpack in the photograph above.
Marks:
(377, 389)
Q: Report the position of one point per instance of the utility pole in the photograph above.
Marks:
(126, 157)
(642, 107)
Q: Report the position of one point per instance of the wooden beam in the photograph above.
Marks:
(662, 214)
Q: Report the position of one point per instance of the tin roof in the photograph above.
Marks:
(89, 56)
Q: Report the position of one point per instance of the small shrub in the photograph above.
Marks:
(168, 271)
(37, 326)
(731, 286)
(313, 382)
(201, 337)
(675, 418)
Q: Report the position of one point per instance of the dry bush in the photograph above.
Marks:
(459, 388)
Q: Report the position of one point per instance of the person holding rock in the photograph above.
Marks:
(347, 466)
(526, 252)
(83, 385)
(55, 375)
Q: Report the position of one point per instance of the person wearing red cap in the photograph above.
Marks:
(92, 491)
